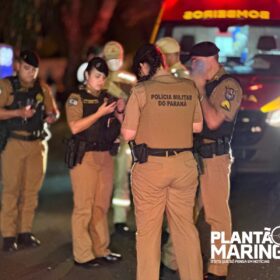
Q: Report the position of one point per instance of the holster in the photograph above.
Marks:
(139, 152)
(81, 150)
(70, 152)
(114, 149)
(75, 151)
(221, 146)
(199, 160)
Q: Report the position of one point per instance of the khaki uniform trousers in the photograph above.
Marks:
(92, 184)
(168, 256)
(166, 184)
(214, 196)
(23, 169)
(121, 197)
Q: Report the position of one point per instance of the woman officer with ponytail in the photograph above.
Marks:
(94, 122)
(161, 114)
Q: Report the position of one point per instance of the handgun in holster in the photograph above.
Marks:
(139, 152)
(199, 160)
(70, 153)
(81, 150)
(114, 149)
(197, 156)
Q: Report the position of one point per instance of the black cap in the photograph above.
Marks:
(204, 49)
(30, 57)
(99, 64)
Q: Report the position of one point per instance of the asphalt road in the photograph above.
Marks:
(255, 204)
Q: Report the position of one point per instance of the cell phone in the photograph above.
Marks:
(111, 99)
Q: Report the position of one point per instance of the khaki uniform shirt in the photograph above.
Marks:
(162, 112)
(74, 105)
(227, 96)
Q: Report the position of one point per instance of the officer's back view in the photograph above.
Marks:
(161, 115)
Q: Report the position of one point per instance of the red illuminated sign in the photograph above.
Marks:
(175, 10)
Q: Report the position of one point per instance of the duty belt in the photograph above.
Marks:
(167, 152)
(30, 137)
(219, 147)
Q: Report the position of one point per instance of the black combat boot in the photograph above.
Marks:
(28, 240)
(210, 276)
(10, 244)
(90, 264)
(122, 228)
(111, 258)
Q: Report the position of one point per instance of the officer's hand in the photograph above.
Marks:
(26, 112)
(200, 82)
(51, 118)
(120, 104)
(105, 109)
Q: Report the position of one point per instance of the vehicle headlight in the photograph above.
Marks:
(273, 118)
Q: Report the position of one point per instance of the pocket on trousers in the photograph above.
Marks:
(148, 166)
(190, 163)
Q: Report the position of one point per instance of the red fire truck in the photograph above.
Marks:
(248, 35)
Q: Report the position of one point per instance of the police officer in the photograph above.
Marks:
(220, 97)
(26, 104)
(119, 84)
(161, 115)
(170, 48)
(95, 125)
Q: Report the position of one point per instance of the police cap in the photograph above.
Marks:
(30, 57)
(113, 50)
(168, 45)
(99, 64)
(204, 49)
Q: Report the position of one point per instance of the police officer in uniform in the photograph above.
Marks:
(220, 97)
(25, 106)
(161, 115)
(119, 84)
(170, 48)
(95, 124)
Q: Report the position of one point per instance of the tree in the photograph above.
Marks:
(20, 23)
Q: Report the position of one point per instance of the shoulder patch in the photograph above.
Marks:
(73, 101)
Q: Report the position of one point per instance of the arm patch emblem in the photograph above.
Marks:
(73, 102)
(225, 105)
(230, 94)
